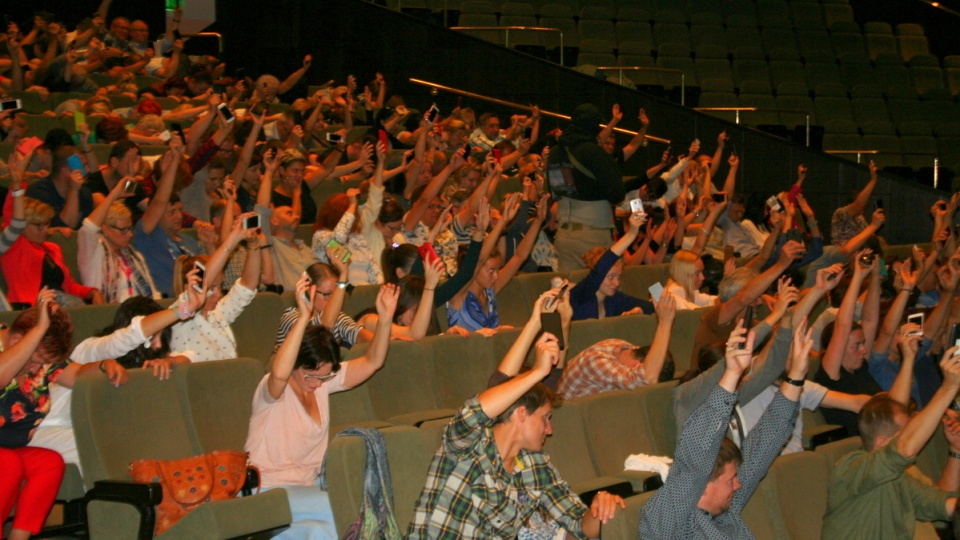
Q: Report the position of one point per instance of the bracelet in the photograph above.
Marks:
(266, 246)
(795, 382)
(103, 366)
(183, 312)
(18, 192)
(428, 289)
(954, 455)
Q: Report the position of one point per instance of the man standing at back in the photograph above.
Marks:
(871, 495)
(586, 181)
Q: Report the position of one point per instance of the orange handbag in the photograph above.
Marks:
(190, 482)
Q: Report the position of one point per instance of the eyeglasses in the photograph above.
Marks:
(321, 378)
(121, 230)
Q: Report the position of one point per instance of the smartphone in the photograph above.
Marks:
(333, 244)
(656, 291)
(955, 337)
(432, 113)
(747, 323)
(178, 129)
(75, 163)
(79, 119)
(201, 271)
(251, 222)
(165, 135)
(728, 253)
(878, 204)
(226, 113)
(636, 206)
(384, 139)
(130, 186)
(29, 145)
(551, 301)
(718, 197)
(497, 154)
(427, 252)
(10, 105)
(916, 318)
(334, 137)
(867, 259)
(550, 322)
(773, 203)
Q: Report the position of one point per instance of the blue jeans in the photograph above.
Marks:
(312, 514)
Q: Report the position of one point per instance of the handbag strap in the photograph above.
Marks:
(577, 165)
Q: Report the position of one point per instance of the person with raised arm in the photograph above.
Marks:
(870, 496)
(598, 295)
(711, 479)
(290, 425)
(495, 442)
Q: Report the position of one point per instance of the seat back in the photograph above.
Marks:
(464, 366)
(611, 438)
(115, 426)
(256, 328)
(217, 398)
(406, 383)
(801, 509)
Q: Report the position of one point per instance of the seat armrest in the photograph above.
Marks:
(144, 497)
(623, 489)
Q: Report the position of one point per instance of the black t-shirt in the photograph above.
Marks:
(97, 184)
(856, 382)
(608, 182)
(308, 211)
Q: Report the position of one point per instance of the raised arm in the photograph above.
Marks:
(270, 164)
(871, 308)
(909, 344)
(295, 77)
(494, 401)
(615, 118)
(419, 207)
(756, 286)
(843, 325)
(15, 357)
(921, 426)
(364, 367)
(904, 283)
(704, 233)
(653, 363)
(282, 366)
(857, 207)
(525, 246)
(158, 203)
(246, 153)
(637, 141)
(718, 154)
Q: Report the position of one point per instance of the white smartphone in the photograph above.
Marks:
(226, 113)
(636, 206)
(251, 222)
(774, 203)
(916, 318)
(656, 290)
(164, 135)
(202, 270)
(10, 105)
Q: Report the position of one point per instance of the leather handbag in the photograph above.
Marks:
(190, 482)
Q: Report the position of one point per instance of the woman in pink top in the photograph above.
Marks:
(290, 425)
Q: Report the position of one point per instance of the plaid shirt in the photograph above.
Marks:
(469, 493)
(597, 369)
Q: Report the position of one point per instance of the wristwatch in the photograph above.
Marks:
(343, 284)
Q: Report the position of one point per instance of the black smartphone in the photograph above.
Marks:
(718, 197)
(251, 222)
(550, 322)
(10, 105)
(878, 204)
(432, 113)
(179, 130)
(747, 323)
(226, 113)
(334, 138)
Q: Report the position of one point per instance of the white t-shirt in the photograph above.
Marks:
(810, 399)
(699, 299)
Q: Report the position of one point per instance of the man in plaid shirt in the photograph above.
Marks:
(615, 364)
(490, 473)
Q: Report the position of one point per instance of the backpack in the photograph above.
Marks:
(560, 177)
(375, 520)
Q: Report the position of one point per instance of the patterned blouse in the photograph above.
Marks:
(24, 404)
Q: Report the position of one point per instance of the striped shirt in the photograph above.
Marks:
(345, 331)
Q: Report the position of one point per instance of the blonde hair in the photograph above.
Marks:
(289, 157)
(36, 212)
(683, 269)
(116, 212)
(150, 124)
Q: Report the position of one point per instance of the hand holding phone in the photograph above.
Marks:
(251, 222)
(656, 291)
(226, 113)
(747, 323)
(427, 252)
(201, 272)
(554, 299)
(550, 322)
(916, 318)
(636, 206)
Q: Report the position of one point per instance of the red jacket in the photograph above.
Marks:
(22, 267)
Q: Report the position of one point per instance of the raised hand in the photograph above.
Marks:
(738, 360)
(387, 299)
(547, 353)
(306, 291)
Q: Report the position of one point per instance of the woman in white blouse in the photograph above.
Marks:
(686, 278)
(208, 334)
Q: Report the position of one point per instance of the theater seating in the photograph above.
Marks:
(201, 408)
